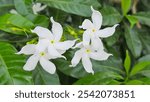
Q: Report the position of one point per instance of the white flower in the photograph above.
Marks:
(13, 11)
(93, 31)
(37, 7)
(52, 39)
(39, 54)
(85, 53)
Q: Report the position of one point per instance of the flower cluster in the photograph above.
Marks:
(50, 47)
(92, 46)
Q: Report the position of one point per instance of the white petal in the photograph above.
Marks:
(61, 51)
(100, 55)
(27, 49)
(104, 33)
(65, 45)
(53, 52)
(42, 45)
(78, 45)
(96, 18)
(86, 38)
(37, 8)
(31, 63)
(56, 29)
(13, 11)
(97, 43)
(43, 32)
(87, 64)
(87, 24)
(76, 58)
(47, 65)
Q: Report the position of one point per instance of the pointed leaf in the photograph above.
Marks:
(127, 62)
(11, 66)
(79, 7)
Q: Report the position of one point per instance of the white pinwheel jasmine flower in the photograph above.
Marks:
(39, 54)
(85, 53)
(93, 33)
(13, 11)
(37, 7)
(52, 39)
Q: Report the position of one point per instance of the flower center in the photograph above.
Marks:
(52, 41)
(93, 30)
(88, 51)
(42, 53)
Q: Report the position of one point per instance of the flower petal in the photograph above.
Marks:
(87, 24)
(27, 49)
(53, 52)
(96, 18)
(65, 45)
(43, 32)
(47, 65)
(100, 55)
(87, 64)
(78, 45)
(86, 38)
(104, 33)
(97, 43)
(31, 63)
(42, 45)
(56, 29)
(76, 58)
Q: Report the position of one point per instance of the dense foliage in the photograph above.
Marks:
(130, 45)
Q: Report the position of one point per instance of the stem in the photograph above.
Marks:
(134, 11)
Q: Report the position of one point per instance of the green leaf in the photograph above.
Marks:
(79, 7)
(132, 19)
(143, 17)
(5, 6)
(133, 41)
(100, 78)
(144, 58)
(134, 82)
(138, 67)
(125, 5)
(15, 24)
(112, 64)
(23, 6)
(11, 65)
(41, 77)
(110, 16)
(127, 62)
(38, 20)
(144, 37)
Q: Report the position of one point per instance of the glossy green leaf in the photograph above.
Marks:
(79, 7)
(132, 19)
(38, 20)
(125, 5)
(143, 17)
(138, 67)
(110, 16)
(41, 77)
(127, 62)
(133, 41)
(11, 65)
(100, 78)
(23, 7)
(15, 24)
